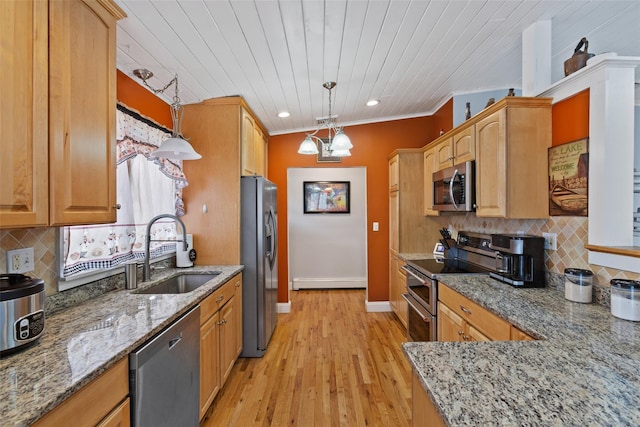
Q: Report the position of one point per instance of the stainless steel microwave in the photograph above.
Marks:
(454, 188)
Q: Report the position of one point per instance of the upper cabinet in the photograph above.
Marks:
(224, 132)
(60, 168)
(512, 139)
(254, 146)
(24, 195)
(457, 148)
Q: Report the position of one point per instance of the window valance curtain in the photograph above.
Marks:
(146, 187)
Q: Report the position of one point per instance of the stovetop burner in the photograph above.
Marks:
(434, 267)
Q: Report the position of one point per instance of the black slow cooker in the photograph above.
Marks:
(21, 311)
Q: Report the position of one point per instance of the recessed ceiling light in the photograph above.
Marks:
(283, 114)
(373, 102)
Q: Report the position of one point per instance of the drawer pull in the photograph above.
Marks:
(460, 332)
(220, 298)
(465, 309)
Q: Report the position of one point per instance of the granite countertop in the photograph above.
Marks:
(583, 369)
(83, 341)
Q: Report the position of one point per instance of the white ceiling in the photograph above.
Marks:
(412, 55)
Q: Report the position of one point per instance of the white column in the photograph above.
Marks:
(536, 58)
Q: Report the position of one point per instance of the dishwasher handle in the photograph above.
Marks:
(174, 342)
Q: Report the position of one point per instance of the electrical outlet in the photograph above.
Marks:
(550, 241)
(20, 260)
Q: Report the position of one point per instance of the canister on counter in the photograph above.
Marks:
(625, 299)
(578, 285)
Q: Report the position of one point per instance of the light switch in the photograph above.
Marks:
(376, 226)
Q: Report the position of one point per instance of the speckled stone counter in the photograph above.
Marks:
(583, 370)
(83, 341)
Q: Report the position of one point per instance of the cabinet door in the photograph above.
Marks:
(237, 296)
(491, 170)
(247, 144)
(401, 285)
(394, 224)
(450, 325)
(464, 145)
(444, 154)
(260, 152)
(394, 173)
(119, 417)
(82, 111)
(472, 334)
(23, 114)
(228, 346)
(430, 161)
(209, 363)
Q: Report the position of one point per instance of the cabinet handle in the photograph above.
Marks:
(220, 298)
(460, 332)
(466, 337)
(465, 309)
(237, 284)
(117, 206)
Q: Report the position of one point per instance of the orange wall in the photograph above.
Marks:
(570, 119)
(372, 144)
(442, 119)
(136, 97)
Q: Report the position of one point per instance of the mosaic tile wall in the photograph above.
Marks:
(43, 242)
(572, 236)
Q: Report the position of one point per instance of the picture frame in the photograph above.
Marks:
(326, 197)
(324, 155)
(569, 179)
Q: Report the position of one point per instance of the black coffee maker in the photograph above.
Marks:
(519, 260)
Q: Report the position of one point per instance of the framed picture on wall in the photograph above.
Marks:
(326, 197)
(569, 179)
(324, 155)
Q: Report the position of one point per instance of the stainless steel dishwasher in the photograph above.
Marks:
(165, 376)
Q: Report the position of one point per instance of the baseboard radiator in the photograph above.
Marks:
(330, 283)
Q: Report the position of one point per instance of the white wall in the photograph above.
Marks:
(327, 250)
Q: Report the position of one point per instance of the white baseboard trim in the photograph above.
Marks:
(377, 306)
(284, 307)
(334, 283)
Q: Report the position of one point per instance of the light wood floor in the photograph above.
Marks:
(329, 363)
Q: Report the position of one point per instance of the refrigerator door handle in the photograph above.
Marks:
(273, 234)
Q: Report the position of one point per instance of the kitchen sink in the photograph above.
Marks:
(179, 284)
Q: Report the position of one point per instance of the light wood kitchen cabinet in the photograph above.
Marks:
(254, 146)
(409, 230)
(460, 319)
(217, 129)
(518, 335)
(219, 337)
(430, 165)
(61, 165)
(24, 195)
(423, 411)
(512, 138)
(103, 402)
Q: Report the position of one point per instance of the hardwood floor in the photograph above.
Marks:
(329, 363)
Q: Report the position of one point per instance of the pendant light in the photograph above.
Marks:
(339, 143)
(175, 147)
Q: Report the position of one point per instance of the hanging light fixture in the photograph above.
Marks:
(175, 147)
(338, 143)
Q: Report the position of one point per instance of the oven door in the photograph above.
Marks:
(423, 288)
(421, 325)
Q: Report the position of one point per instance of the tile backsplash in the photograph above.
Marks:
(572, 236)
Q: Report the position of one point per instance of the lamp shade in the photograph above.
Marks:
(341, 142)
(308, 146)
(341, 153)
(176, 148)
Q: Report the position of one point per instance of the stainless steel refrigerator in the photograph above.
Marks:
(259, 254)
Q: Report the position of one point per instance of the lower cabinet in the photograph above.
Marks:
(460, 319)
(423, 411)
(103, 402)
(220, 338)
(397, 286)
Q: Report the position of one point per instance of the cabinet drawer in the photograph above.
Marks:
(486, 322)
(215, 301)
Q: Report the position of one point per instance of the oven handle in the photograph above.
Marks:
(421, 311)
(453, 200)
(411, 272)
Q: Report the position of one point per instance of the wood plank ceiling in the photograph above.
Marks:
(412, 55)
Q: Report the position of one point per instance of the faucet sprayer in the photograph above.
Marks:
(147, 265)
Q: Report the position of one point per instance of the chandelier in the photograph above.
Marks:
(175, 147)
(338, 144)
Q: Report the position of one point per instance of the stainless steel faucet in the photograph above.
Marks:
(147, 265)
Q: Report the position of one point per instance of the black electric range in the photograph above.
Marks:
(433, 268)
